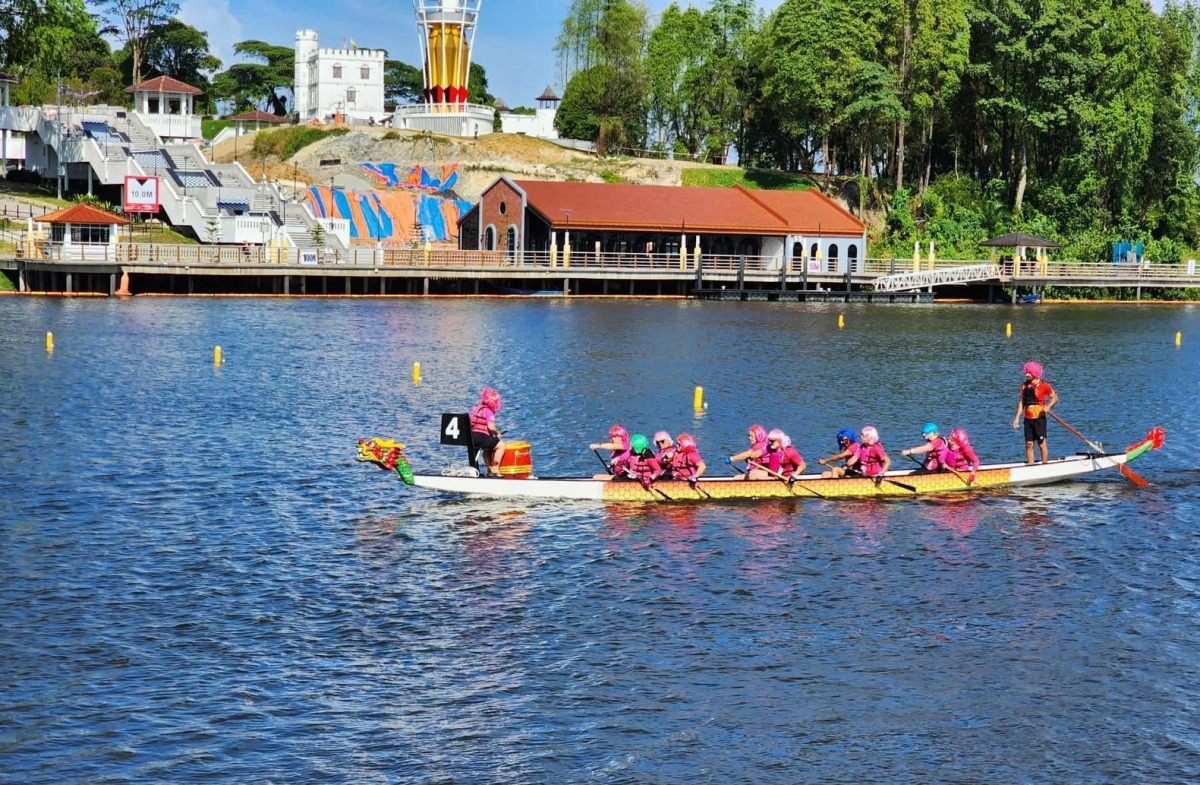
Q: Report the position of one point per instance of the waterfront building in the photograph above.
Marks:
(776, 229)
(337, 85)
(81, 233)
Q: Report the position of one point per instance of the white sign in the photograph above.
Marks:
(814, 264)
(141, 194)
(308, 256)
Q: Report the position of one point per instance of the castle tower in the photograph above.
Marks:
(304, 102)
(447, 35)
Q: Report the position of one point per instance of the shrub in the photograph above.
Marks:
(286, 142)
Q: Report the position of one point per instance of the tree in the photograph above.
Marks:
(180, 51)
(477, 82)
(402, 83)
(267, 82)
(575, 46)
(133, 20)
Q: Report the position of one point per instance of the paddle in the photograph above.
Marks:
(1130, 474)
(603, 462)
(909, 488)
(944, 466)
(647, 486)
(695, 483)
(788, 481)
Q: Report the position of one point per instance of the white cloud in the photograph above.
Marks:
(214, 18)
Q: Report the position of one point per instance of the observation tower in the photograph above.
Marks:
(446, 30)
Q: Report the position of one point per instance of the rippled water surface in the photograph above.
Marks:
(199, 584)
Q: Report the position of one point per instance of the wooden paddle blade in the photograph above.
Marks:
(1133, 476)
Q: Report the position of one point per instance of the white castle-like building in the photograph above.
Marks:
(338, 85)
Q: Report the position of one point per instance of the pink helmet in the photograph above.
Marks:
(662, 436)
(685, 442)
(959, 436)
(490, 398)
(1033, 368)
(870, 435)
(617, 433)
(758, 432)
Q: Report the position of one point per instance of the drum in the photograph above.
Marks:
(517, 463)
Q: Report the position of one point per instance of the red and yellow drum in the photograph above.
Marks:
(517, 463)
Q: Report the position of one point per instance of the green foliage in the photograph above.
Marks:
(609, 176)
(764, 179)
(391, 136)
(6, 284)
(286, 142)
(402, 83)
(209, 128)
(266, 82)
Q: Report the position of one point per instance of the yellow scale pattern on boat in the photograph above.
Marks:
(847, 487)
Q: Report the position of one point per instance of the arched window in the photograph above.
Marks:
(852, 255)
(510, 243)
(489, 238)
(812, 251)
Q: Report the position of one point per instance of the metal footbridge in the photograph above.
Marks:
(973, 273)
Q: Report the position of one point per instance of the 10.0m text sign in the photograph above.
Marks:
(141, 194)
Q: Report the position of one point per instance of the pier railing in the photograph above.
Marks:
(673, 265)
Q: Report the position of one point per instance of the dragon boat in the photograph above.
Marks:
(518, 480)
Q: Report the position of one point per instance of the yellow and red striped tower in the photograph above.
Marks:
(447, 33)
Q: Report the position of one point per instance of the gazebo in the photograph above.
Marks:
(82, 233)
(258, 117)
(166, 105)
(1019, 241)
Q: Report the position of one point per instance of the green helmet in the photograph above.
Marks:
(639, 443)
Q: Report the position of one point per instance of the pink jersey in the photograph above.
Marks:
(784, 461)
(936, 456)
(685, 464)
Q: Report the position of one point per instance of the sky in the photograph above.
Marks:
(514, 39)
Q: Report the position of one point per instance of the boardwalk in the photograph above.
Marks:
(202, 268)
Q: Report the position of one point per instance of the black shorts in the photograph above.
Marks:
(484, 441)
(1035, 430)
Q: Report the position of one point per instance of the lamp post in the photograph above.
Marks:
(58, 165)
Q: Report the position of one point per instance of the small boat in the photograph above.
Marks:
(389, 455)
(1029, 299)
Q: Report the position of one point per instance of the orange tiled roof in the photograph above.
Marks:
(81, 214)
(670, 208)
(164, 84)
(258, 116)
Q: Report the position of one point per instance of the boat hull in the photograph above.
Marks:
(895, 484)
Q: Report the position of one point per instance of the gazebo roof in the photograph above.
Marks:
(548, 95)
(1020, 240)
(257, 116)
(7, 78)
(82, 214)
(164, 84)
(502, 105)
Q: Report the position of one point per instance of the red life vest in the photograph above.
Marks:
(1033, 398)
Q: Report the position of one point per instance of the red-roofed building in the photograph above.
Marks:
(166, 105)
(82, 232)
(773, 228)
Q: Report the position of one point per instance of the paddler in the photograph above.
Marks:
(758, 445)
(1037, 398)
(932, 449)
(666, 452)
(960, 455)
(871, 460)
(847, 449)
(618, 442)
(686, 464)
(485, 435)
(781, 459)
(642, 466)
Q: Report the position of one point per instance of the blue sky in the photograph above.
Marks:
(514, 39)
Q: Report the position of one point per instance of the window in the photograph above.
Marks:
(366, 72)
(503, 208)
(489, 239)
(351, 94)
(510, 243)
(337, 72)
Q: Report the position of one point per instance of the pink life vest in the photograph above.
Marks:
(961, 459)
(685, 464)
(620, 458)
(936, 456)
(870, 458)
(782, 461)
(481, 417)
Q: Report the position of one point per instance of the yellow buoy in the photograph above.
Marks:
(698, 399)
(1008, 329)
(1178, 339)
(416, 373)
(841, 321)
(216, 355)
(49, 342)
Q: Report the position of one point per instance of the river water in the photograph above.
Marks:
(198, 583)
